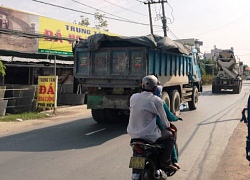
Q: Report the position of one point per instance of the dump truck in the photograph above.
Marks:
(111, 69)
(228, 76)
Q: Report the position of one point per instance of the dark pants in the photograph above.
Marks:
(167, 139)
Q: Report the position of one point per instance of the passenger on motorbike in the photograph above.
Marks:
(144, 109)
(171, 117)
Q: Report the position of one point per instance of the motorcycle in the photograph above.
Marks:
(145, 162)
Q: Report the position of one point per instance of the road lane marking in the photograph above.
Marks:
(95, 131)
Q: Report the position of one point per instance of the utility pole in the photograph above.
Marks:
(150, 19)
(164, 19)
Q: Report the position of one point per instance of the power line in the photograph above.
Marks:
(171, 13)
(225, 25)
(31, 35)
(164, 20)
(99, 10)
(125, 8)
(62, 7)
(128, 21)
(173, 34)
(140, 1)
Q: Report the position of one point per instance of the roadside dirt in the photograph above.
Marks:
(233, 164)
(61, 113)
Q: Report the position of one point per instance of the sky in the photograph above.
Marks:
(220, 23)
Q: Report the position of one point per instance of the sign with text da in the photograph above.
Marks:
(47, 92)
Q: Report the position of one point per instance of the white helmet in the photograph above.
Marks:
(149, 82)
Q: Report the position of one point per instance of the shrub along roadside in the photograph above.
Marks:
(22, 116)
(207, 79)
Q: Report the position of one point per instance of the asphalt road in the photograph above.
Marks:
(79, 148)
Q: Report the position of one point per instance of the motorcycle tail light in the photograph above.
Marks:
(137, 148)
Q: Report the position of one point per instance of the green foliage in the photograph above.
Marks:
(207, 79)
(23, 116)
(101, 24)
(2, 68)
(209, 66)
(84, 21)
(207, 70)
(202, 67)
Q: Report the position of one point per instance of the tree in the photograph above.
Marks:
(84, 21)
(246, 70)
(209, 66)
(100, 23)
(202, 66)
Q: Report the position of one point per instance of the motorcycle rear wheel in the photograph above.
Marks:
(148, 172)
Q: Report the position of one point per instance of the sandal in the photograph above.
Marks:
(177, 165)
(170, 167)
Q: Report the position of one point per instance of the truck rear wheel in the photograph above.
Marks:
(175, 102)
(194, 103)
(98, 115)
(215, 89)
(236, 89)
(165, 98)
(108, 115)
(115, 115)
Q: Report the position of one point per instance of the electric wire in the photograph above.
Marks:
(66, 38)
(172, 11)
(224, 25)
(99, 10)
(125, 8)
(140, 1)
(66, 8)
(31, 35)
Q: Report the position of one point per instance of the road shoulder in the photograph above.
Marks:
(233, 164)
(62, 112)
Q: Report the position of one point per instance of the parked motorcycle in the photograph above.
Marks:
(145, 162)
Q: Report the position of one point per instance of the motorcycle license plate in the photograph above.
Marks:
(137, 162)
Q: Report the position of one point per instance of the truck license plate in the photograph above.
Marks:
(137, 162)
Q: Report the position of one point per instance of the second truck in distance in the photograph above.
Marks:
(228, 73)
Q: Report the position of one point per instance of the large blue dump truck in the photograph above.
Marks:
(111, 69)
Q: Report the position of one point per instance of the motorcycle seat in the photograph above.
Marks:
(146, 143)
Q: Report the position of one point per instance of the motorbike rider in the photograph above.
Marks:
(172, 118)
(144, 109)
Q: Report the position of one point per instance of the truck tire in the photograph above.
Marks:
(175, 102)
(114, 115)
(108, 116)
(215, 89)
(236, 89)
(165, 98)
(194, 103)
(98, 115)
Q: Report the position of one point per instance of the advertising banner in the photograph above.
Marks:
(21, 21)
(52, 27)
(11, 19)
(47, 92)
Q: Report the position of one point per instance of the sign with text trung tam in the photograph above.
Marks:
(47, 92)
